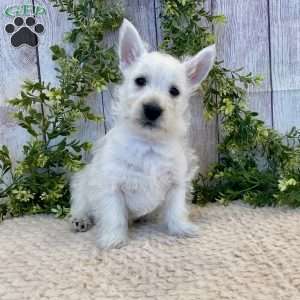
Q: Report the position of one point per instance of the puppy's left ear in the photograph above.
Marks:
(131, 46)
(198, 67)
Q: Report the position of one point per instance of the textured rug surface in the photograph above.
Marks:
(241, 253)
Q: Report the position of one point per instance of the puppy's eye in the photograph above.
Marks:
(140, 81)
(174, 91)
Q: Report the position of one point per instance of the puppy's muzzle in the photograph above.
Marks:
(152, 111)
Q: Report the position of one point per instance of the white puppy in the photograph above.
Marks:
(144, 164)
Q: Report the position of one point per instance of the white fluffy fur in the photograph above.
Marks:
(137, 170)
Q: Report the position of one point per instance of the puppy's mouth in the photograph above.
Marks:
(149, 124)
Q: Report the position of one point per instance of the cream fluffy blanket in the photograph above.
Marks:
(241, 253)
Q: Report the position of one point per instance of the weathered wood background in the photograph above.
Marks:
(261, 35)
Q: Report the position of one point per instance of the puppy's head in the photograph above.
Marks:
(156, 87)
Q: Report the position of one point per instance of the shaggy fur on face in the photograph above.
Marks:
(144, 164)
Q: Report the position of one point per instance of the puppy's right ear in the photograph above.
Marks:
(131, 46)
(198, 66)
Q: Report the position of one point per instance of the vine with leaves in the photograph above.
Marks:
(39, 182)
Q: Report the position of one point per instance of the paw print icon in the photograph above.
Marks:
(24, 32)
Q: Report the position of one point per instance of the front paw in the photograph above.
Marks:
(183, 228)
(81, 224)
(109, 240)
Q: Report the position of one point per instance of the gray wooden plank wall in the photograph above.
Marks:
(261, 35)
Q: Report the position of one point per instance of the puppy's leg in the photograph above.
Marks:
(80, 218)
(111, 220)
(175, 213)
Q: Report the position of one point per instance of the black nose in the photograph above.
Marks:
(152, 111)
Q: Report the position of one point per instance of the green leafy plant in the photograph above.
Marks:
(256, 163)
(92, 64)
(39, 183)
